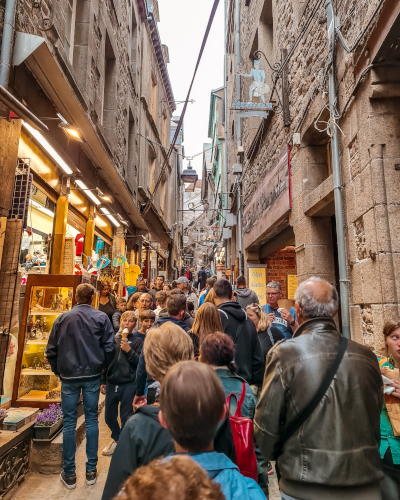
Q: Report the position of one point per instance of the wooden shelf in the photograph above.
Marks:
(45, 313)
(36, 342)
(29, 371)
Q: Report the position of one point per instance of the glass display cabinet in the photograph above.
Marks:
(46, 298)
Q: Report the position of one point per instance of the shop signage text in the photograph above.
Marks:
(258, 283)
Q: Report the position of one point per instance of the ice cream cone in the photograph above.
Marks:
(125, 333)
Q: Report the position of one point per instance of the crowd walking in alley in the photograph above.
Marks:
(312, 402)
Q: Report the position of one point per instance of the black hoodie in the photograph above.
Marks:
(249, 357)
(122, 368)
(142, 440)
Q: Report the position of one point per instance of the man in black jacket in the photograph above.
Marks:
(80, 346)
(249, 357)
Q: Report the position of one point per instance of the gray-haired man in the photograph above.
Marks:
(334, 452)
(282, 319)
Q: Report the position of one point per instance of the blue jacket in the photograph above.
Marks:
(233, 384)
(81, 343)
(224, 472)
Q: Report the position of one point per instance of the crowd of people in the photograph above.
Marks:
(204, 388)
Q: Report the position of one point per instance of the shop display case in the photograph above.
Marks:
(46, 297)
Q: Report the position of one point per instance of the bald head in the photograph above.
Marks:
(316, 298)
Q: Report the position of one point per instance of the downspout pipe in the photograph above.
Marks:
(225, 127)
(239, 134)
(7, 43)
(343, 281)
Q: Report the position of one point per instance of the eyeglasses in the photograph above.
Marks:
(273, 293)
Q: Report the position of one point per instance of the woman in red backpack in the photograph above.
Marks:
(218, 351)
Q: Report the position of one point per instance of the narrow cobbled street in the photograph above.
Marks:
(49, 487)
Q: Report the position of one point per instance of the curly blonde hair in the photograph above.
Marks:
(177, 478)
(164, 347)
(263, 321)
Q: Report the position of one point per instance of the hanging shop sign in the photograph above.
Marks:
(119, 260)
(69, 256)
(258, 283)
(103, 262)
(270, 203)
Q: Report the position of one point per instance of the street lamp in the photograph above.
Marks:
(189, 176)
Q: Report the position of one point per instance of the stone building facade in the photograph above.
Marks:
(103, 68)
(368, 104)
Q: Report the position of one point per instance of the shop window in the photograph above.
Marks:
(109, 100)
(153, 98)
(70, 29)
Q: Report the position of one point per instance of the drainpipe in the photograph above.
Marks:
(343, 281)
(7, 42)
(225, 127)
(239, 134)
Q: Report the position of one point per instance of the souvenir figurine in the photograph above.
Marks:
(29, 323)
(68, 301)
(59, 302)
(37, 301)
(35, 363)
(46, 364)
(32, 334)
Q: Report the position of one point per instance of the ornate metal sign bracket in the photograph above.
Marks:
(42, 21)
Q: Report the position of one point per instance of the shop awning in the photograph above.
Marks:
(46, 66)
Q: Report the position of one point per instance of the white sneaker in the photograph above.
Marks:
(109, 449)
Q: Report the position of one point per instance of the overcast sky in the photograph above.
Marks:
(182, 26)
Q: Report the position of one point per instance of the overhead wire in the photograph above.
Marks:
(178, 128)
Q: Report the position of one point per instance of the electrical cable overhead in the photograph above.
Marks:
(179, 126)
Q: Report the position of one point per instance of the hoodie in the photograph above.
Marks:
(249, 357)
(142, 440)
(224, 472)
(164, 319)
(246, 297)
(122, 369)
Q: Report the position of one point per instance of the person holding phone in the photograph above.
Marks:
(282, 319)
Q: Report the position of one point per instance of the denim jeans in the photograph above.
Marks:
(70, 392)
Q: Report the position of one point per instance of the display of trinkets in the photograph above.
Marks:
(37, 301)
(68, 301)
(35, 363)
(56, 301)
(54, 394)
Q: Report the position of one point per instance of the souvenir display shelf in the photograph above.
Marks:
(46, 298)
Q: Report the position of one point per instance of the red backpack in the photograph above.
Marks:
(242, 430)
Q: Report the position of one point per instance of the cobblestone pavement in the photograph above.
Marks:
(49, 486)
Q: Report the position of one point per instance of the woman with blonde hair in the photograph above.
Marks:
(207, 320)
(268, 335)
(210, 297)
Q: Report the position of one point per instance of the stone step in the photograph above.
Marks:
(47, 457)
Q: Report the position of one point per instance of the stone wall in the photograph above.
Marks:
(369, 153)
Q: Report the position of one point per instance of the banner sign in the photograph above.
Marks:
(258, 283)
(270, 202)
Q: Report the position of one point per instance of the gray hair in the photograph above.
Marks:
(274, 284)
(310, 307)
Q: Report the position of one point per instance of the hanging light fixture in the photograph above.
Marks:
(189, 175)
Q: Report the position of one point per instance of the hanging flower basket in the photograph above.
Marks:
(49, 422)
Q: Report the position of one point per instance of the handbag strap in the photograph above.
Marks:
(238, 412)
(297, 423)
(270, 335)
